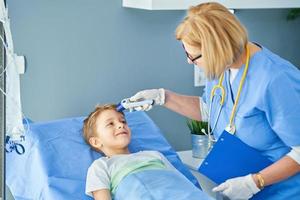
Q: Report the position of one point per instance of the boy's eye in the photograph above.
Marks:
(110, 124)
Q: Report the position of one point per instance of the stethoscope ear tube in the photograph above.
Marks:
(211, 130)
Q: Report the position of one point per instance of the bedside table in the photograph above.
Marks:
(193, 164)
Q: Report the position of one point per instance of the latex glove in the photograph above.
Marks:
(238, 188)
(158, 95)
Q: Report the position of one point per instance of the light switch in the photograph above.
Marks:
(20, 63)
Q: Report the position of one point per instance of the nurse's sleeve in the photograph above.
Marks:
(282, 106)
(203, 106)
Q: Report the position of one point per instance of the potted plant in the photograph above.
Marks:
(200, 140)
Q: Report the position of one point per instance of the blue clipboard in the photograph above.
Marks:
(230, 158)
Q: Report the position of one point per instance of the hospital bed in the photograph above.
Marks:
(56, 158)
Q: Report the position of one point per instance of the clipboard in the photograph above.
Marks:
(229, 158)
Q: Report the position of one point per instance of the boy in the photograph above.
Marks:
(106, 131)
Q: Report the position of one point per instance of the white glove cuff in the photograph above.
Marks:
(161, 97)
(295, 154)
(251, 184)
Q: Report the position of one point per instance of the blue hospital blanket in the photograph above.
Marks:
(158, 184)
(56, 160)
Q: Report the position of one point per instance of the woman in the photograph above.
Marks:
(261, 102)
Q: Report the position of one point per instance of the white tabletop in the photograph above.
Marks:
(189, 160)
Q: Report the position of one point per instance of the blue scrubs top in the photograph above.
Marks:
(268, 112)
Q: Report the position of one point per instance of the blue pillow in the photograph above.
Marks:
(56, 158)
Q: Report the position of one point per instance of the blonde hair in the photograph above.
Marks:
(219, 35)
(89, 124)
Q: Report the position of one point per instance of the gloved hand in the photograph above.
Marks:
(157, 95)
(238, 188)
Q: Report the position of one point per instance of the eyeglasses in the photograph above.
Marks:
(190, 57)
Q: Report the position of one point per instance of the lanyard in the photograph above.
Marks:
(231, 127)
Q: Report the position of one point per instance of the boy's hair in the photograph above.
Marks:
(89, 124)
(217, 33)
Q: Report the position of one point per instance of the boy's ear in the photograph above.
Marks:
(95, 142)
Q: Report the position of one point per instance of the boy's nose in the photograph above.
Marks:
(120, 125)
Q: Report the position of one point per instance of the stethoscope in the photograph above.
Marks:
(230, 128)
(213, 95)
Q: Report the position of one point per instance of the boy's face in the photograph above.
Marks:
(112, 130)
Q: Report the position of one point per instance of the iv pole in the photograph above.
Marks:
(2, 114)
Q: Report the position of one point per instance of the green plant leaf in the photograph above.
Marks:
(196, 126)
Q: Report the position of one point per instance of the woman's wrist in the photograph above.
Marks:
(167, 96)
(259, 180)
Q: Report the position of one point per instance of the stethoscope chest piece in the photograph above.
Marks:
(230, 128)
